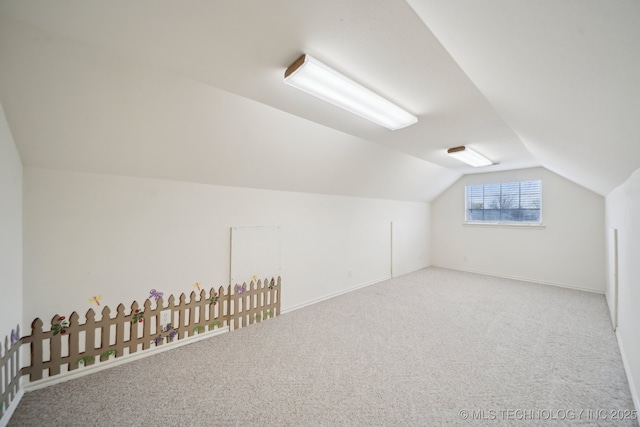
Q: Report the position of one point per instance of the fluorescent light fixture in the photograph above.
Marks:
(312, 76)
(469, 156)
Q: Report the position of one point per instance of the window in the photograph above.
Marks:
(519, 202)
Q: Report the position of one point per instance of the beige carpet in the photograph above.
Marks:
(430, 348)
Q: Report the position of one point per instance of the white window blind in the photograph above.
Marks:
(519, 202)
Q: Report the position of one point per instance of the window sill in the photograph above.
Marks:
(504, 225)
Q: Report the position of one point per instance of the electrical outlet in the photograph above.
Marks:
(165, 317)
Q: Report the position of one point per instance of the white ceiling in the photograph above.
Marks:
(563, 74)
(193, 90)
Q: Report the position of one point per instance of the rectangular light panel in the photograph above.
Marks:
(470, 157)
(315, 78)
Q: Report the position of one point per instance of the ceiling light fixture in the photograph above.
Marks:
(312, 76)
(469, 156)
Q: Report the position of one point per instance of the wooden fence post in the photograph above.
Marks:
(119, 321)
(183, 322)
(276, 296)
(105, 332)
(250, 301)
(55, 345)
(192, 313)
(35, 352)
(134, 329)
(90, 337)
(235, 310)
(225, 310)
(146, 325)
(73, 342)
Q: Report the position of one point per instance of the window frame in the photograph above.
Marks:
(503, 223)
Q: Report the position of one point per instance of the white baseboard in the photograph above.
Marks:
(522, 279)
(625, 363)
(333, 295)
(99, 366)
(12, 407)
(344, 291)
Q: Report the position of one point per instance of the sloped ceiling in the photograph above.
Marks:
(193, 90)
(563, 74)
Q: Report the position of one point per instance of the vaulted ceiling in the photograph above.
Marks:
(193, 90)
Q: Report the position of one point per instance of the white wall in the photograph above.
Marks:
(10, 231)
(88, 234)
(568, 250)
(622, 213)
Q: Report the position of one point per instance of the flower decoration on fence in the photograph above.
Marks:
(258, 317)
(108, 353)
(212, 326)
(214, 299)
(90, 358)
(155, 294)
(196, 315)
(61, 326)
(197, 286)
(138, 316)
(167, 332)
(86, 359)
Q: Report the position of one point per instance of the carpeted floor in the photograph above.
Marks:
(435, 347)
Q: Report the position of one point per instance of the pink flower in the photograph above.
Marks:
(62, 318)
